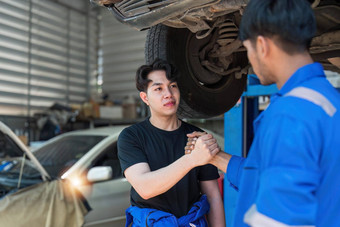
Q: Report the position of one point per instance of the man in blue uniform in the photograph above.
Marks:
(291, 176)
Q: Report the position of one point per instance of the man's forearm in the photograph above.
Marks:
(152, 183)
(216, 213)
(221, 160)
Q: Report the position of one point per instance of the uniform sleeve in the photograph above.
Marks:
(208, 172)
(289, 174)
(130, 151)
(234, 170)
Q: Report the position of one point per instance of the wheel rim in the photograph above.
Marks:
(203, 77)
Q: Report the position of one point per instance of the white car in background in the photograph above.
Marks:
(29, 196)
(88, 158)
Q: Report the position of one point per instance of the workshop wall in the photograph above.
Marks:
(121, 52)
(48, 54)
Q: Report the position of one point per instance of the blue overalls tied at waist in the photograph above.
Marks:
(147, 217)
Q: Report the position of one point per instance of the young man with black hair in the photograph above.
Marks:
(291, 174)
(167, 189)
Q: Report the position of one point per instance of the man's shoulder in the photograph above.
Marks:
(305, 105)
(309, 98)
(189, 127)
(135, 128)
(290, 106)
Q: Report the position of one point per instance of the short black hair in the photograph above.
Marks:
(143, 71)
(292, 22)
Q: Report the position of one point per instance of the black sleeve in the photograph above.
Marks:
(130, 151)
(208, 172)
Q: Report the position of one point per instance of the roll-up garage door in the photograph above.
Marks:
(48, 54)
(121, 53)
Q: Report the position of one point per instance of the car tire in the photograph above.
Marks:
(217, 94)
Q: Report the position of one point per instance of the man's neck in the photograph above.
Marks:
(166, 123)
(289, 65)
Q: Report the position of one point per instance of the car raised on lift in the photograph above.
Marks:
(200, 37)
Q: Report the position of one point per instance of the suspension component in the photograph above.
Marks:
(217, 56)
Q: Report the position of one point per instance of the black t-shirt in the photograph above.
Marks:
(143, 142)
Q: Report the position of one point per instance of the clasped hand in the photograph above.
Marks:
(202, 147)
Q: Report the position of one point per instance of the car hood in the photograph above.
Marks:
(7, 136)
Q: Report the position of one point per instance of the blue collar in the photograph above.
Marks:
(302, 74)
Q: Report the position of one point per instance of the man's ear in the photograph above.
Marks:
(262, 46)
(144, 97)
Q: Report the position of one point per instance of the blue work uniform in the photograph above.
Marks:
(144, 217)
(292, 173)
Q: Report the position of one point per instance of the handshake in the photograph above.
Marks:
(203, 149)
